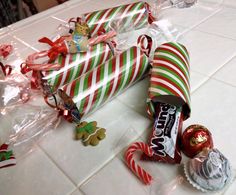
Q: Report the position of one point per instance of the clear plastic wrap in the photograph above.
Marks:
(209, 171)
(23, 124)
(189, 17)
(138, 15)
(14, 89)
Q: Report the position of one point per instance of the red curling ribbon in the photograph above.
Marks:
(66, 114)
(7, 69)
(36, 69)
(57, 47)
(5, 50)
(151, 18)
(141, 43)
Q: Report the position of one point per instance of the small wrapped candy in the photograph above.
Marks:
(194, 139)
(169, 100)
(209, 171)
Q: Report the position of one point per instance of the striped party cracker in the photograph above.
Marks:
(135, 14)
(102, 83)
(169, 81)
(74, 65)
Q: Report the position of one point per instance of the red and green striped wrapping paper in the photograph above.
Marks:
(99, 85)
(169, 81)
(74, 65)
(135, 14)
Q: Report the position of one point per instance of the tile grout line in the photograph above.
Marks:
(77, 189)
(23, 42)
(54, 162)
(202, 21)
(61, 20)
(105, 164)
(95, 172)
(223, 65)
(224, 82)
(215, 34)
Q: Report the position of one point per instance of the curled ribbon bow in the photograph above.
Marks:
(145, 47)
(57, 47)
(36, 68)
(7, 69)
(5, 50)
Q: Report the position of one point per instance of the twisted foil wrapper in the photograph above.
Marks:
(209, 171)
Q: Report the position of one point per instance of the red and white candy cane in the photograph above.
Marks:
(140, 172)
(102, 38)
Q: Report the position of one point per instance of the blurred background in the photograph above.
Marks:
(12, 11)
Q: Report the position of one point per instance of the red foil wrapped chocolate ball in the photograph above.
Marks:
(194, 139)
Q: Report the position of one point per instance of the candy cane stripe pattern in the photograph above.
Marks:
(74, 65)
(170, 73)
(131, 14)
(144, 176)
(102, 83)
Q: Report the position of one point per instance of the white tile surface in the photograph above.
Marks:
(230, 3)
(115, 178)
(231, 190)
(196, 80)
(118, 121)
(213, 105)
(31, 37)
(36, 174)
(190, 17)
(208, 35)
(77, 192)
(222, 23)
(76, 10)
(168, 179)
(19, 53)
(204, 57)
(136, 96)
(224, 73)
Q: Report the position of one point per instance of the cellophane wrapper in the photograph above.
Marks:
(23, 125)
(135, 14)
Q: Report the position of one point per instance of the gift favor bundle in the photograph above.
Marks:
(86, 67)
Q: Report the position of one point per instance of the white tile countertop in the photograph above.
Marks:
(59, 165)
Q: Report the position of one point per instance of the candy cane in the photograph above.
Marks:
(140, 172)
(102, 38)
